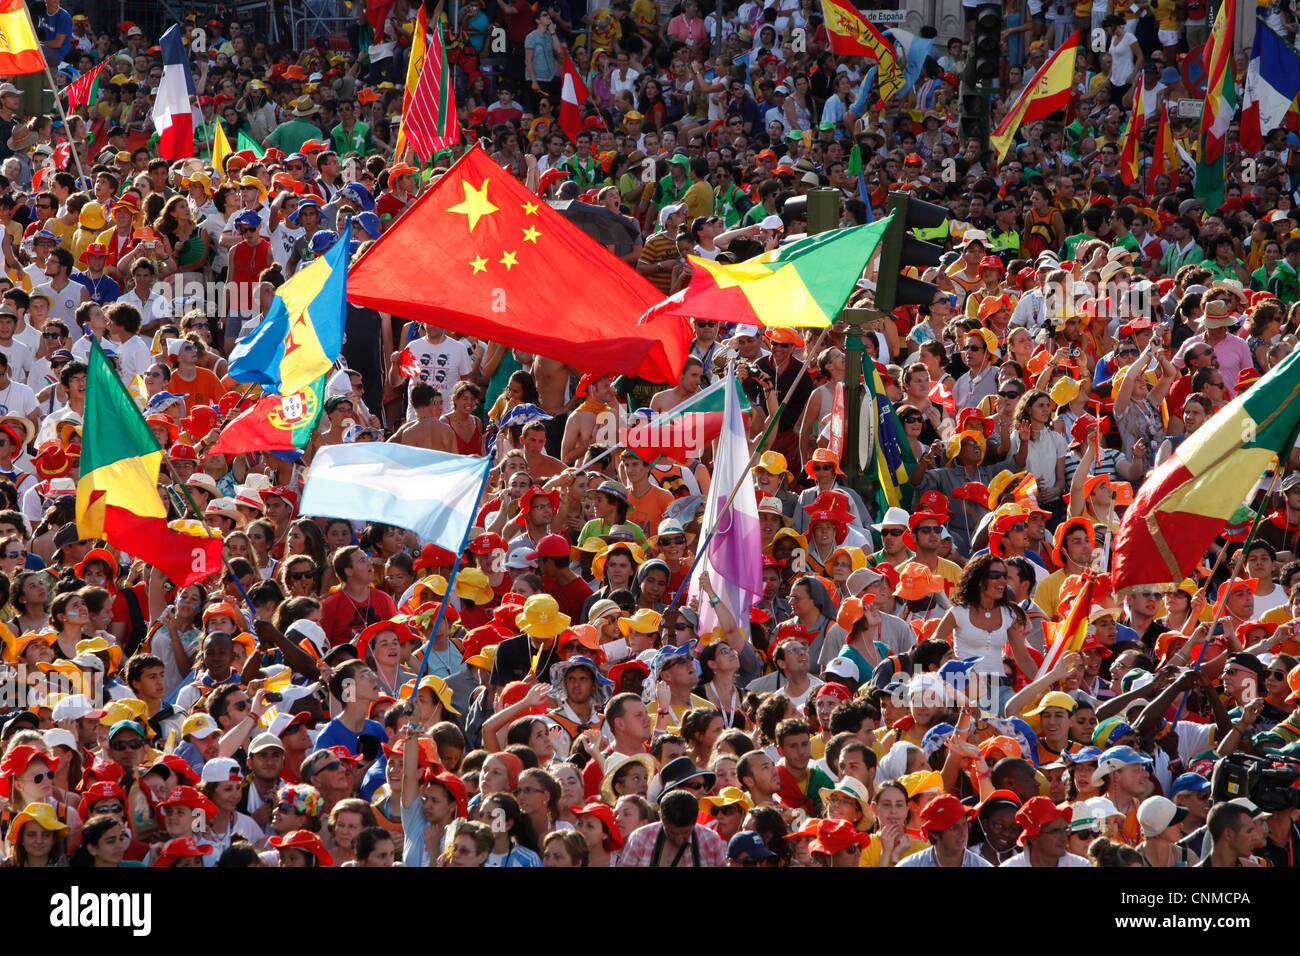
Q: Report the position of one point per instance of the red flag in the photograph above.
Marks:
(431, 123)
(839, 423)
(408, 364)
(376, 14)
(481, 255)
(80, 90)
(62, 154)
(572, 95)
(943, 397)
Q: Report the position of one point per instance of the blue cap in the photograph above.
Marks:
(299, 157)
(958, 667)
(578, 660)
(248, 218)
(323, 239)
(1083, 755)
(360, 194)
(1117, 757)
(161, 400)
(1185, 782)
(369, 222)
(748, 843)
(45, 236)
(666, 654)
(353, 246)
(1169, 75)
(936, 737)
(122, 725)
(307, 201)
(1117, 731)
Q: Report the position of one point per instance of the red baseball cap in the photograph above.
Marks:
(551, 546)
(486, 543)
(1036, 813)
(944, 811)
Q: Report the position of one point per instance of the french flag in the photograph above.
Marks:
(1272, 83)
(173, 115)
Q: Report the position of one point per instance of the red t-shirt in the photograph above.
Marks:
(570, 597)
(343, 619)
(388, 205)
(246, 264)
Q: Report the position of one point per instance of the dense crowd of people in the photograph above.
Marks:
(885, 703)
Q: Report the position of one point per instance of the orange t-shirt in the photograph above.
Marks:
(203, 389)
(648, 510)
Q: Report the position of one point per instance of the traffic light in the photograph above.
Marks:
(986, 51)
(899, 248)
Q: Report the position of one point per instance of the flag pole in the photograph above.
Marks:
(58, 103)
(1227, 592)
(757, 450)
(451, 584)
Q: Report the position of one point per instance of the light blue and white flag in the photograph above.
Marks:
(433, 493)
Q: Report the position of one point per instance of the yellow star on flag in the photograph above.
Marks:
(531, 234)
(475, 205)
(529, 208)
(479, 264)
(508, 260)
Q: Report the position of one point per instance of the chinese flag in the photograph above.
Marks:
(19, 51)
(481, 255)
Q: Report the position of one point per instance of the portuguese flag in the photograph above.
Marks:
(1188, 501)
(682, 433)
(117, 495)
(803, 283)
(281, 424)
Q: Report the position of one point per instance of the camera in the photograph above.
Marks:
(1244, 775)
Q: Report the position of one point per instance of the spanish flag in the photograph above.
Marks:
(1129, 159)
(803, 284)
(1164, 159)
(301, 336)
(1219, 108)
(117, 495)
(1185, 503)
(19, 51)
(852, 34)
(1047, 92)
(419, 47)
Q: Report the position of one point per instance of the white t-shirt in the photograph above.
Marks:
(63, 303)
(20, 360)
(282, 241)
(1122, 59)
(1070, 859)
(133, 355)
(16, 398)
(1044, 452)
(441, 365)
(156, 308)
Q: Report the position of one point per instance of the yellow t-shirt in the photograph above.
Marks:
(645, 13)
(1047, 593)
(62, 230)
(871, 855)
(699, 200)
(677, 713)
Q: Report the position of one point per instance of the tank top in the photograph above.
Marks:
(971, 641)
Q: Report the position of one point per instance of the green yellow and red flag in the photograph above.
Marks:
(117, 494)
(803, 284)
(1188, 501)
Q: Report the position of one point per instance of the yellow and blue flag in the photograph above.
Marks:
(301, 335)
(893, 454)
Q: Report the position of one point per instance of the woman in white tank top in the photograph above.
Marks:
(980, 623)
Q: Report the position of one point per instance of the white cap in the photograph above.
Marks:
(772, 222)
(303, 629)
(74, 707)
(861, 579)
(88, 662)
(517, 559)
(749, 330)
(263, 742)
(894, 518)
(843, 667)
(58, 737)
(1101, 808)
(1156, 814)
(221, 770)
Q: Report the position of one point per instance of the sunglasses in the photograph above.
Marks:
(682, 626)
(694, 785)
(1280, 675)
(333, 765)
(51, 335)
(111, 808)
(43, 776)
(287, 808)
(995, 575)
(972, 348)
(301, 576)
(1019, 526)
(674, 540)
(910, 420)
(127, 744)
(823, 467)
(1010, 394)
(891, 533)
